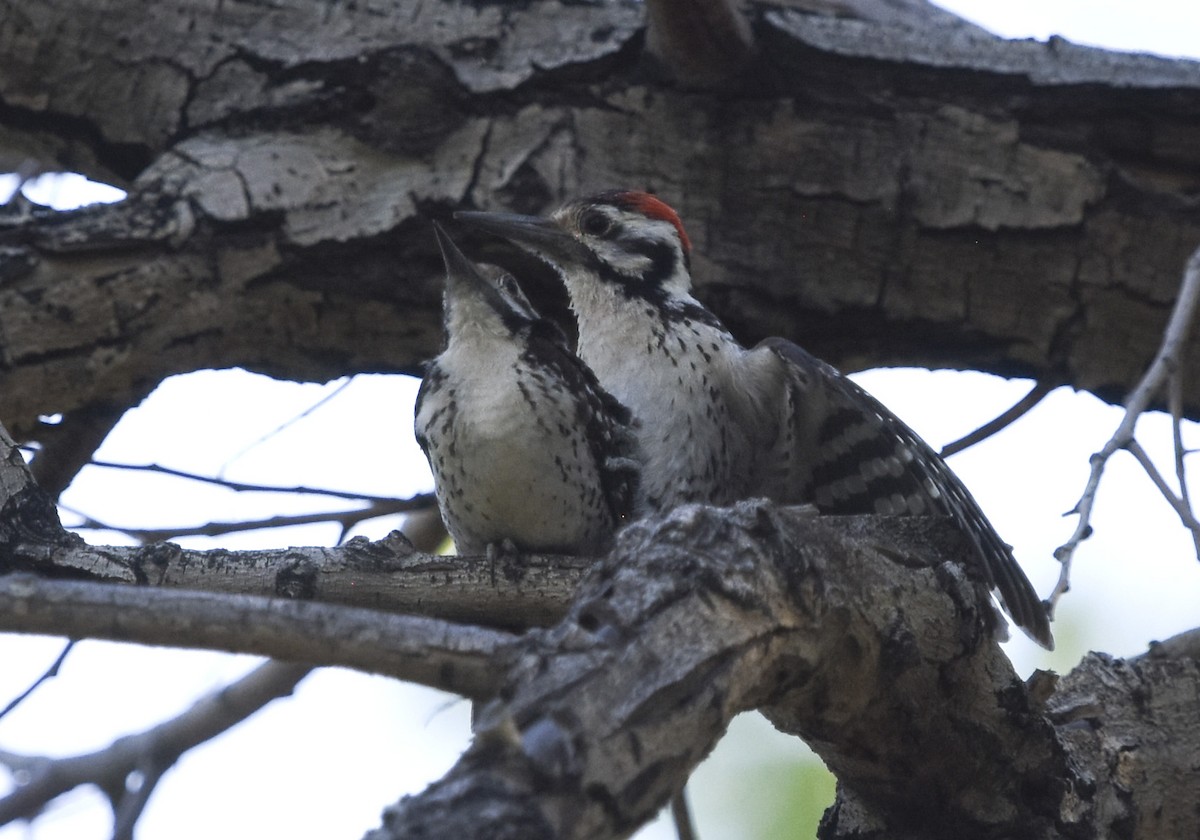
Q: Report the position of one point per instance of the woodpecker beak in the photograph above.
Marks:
(463, 274)
(541, 237)
(457, 264)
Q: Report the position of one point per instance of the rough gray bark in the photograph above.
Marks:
(924, 723)
(386, 575)
(597, 720)
(887, 186)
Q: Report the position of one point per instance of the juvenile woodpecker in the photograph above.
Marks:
(719, 422)
(525, 446)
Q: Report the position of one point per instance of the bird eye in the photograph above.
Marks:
(595, 223)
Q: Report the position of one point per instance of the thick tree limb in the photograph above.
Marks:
(1031, 223)
(459, 658)
(67, 446)
(906, 697)
(388, 574)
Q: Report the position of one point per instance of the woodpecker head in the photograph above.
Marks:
(629, 241)
(476, 303)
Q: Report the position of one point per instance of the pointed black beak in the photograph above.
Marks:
(457, 264)
(541, 237)
(462, 275)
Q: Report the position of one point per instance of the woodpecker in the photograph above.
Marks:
(528, 452)
(720, 422)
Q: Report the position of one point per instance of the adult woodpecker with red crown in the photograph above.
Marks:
(719, 422)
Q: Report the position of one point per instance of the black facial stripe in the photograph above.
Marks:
(513, 320)
(662, 257)
(632, 287)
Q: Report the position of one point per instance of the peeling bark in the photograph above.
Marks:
(881, 191)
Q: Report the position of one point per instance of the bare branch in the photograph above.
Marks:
(1164, 368)
(50, 673)
(1175, 402)
(681, 814)
(146, 755)
(129, 769)
(241, 486)
(342, 386)
(347, 519)
(1168, 493)
(460, 658)
(1002, 421)
(387, 574)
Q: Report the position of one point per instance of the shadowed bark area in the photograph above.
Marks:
(886, 185)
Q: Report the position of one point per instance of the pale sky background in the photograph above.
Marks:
(323, 763)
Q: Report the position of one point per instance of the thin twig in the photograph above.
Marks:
(240, 486)
(1175, 401)
(50, 673)
(342, 386)
(1018, 410)
(1164, 367)
(1185, 515)
(347, 519)
(681, 814)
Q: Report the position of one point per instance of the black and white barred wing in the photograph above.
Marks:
(846, 453)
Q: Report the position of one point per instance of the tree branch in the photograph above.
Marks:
(1175, 404)
(49, 673)
(146, 755)
(1002, 421)
(693, 618)
(463, 659)
(1016, 194)
(387, 574)
(907, 698)
(346, 518)
(1163, 371)
(421, 500)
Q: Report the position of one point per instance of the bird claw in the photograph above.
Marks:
(505, 549)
